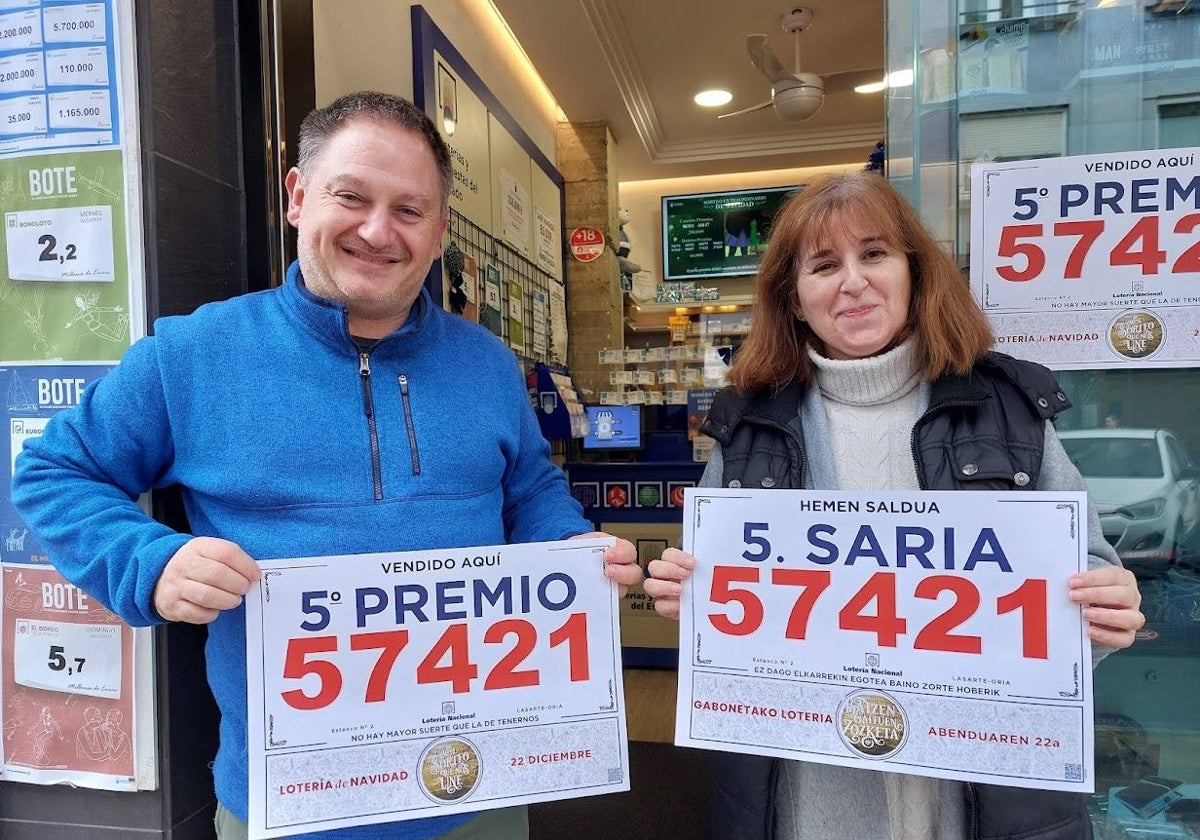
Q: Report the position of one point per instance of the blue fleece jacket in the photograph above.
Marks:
(261, 410)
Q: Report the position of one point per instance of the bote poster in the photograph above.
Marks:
(1091, 261)
(67, 684)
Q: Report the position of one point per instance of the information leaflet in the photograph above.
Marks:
(395, 686)
(1090, 261)
(927, 633)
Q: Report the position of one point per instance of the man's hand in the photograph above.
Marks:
(620, 561)
(204, 577)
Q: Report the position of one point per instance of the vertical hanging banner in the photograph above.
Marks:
(516, 316)
(1090, 261)
(31, 395)
(490, 314)
(64, 284)
(67, 672)
(67, 684)
(72, 299)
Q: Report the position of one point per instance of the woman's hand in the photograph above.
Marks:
(1111, 602)
(665, 583)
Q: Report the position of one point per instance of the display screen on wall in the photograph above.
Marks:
(718, 234)
(613, 427)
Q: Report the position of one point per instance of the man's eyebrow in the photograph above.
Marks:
(343, 179)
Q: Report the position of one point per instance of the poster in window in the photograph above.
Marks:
(1089, 261)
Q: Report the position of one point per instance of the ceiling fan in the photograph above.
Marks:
(794, 96)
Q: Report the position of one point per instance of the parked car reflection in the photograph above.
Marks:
(1145, 487)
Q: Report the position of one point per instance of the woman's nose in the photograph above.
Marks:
(854, 279)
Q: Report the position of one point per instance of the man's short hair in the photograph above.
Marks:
(323, 123)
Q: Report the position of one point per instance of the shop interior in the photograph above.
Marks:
(993, 81)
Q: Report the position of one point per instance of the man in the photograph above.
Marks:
(333, 415)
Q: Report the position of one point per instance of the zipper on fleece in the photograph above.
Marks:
(408, 424)
(364, 375)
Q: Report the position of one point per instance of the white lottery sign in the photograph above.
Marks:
(77, 66)
(71, 24)
(1090, 261)
(925, 632)
(65, 244)
(20, 30)
(20, 73)
(394, 686)
(88, 109)
(68, 657)
(22, 115)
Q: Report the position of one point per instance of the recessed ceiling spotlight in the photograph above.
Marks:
(713, 98)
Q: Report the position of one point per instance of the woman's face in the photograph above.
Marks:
(854, 292)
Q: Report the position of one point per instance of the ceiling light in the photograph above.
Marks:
(897, 79)
(713, 98)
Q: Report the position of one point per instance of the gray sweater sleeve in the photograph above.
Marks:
(713, 469)
(1058, 473)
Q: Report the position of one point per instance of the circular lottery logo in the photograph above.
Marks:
(872, 724)
(649, 495)
(1136, 334)
(449, 769)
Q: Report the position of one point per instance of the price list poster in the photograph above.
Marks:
(71, 302)
(1091, 261)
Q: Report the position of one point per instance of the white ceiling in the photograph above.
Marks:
(637, 63)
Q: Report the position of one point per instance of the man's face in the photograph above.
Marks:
(370, 222)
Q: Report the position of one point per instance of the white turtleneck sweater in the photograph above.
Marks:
(871, 406)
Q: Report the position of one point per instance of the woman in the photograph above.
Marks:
(868, 368)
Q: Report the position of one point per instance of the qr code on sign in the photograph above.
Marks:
(1073, 772)
(615, 774)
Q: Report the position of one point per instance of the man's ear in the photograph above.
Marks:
(295, 190)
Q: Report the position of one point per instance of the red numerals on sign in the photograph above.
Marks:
(885, 624)
(448, 660)
(574, 634)
(1030, 599)
(297, 665)
(752, 608)
(389, 643)
(814, 581)
(1088, 231)
(1035, 257)
(937, 635)
(1144, 233)
(1189, 260)
(1140, 247)
(459, 671)
(505, 674)
(873, 608)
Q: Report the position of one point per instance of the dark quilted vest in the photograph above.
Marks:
(982, 431)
